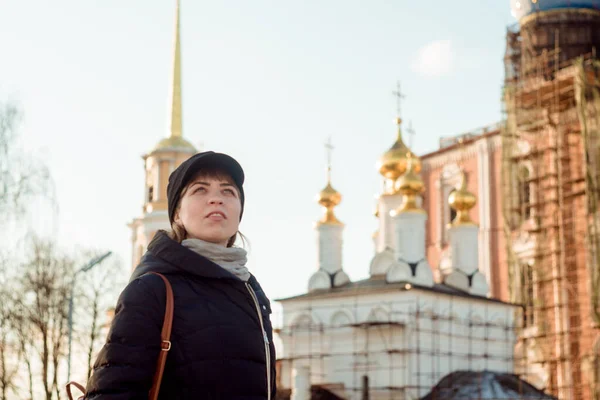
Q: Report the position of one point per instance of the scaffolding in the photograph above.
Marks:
(550, 166)
(401, 353)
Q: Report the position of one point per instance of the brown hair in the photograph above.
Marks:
(178, 232)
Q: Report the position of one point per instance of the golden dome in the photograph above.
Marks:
(174, 142)
(410, 186)
(393, 163)
(329, 198)
(462, 201)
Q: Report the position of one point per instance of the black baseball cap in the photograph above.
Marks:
(190, 167)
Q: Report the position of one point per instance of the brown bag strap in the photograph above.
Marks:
(78, 386)
(165, 336)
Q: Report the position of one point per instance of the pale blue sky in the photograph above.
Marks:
(265, 81)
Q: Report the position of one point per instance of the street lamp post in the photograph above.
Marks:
(91, 264)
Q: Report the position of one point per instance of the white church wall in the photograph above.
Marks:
(340, 340)
(403, 339)
(463, 334)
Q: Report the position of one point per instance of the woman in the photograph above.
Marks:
(221, 342)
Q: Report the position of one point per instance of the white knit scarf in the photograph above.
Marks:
(232, 259)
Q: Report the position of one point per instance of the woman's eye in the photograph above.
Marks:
(200, 188)
(229, 191)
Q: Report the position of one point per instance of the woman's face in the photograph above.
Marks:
(210, 210)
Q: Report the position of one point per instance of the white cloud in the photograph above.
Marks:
(434, 59)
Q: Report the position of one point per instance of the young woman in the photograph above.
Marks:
(221, 342)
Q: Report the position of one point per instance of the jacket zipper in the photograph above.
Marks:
(265, 337)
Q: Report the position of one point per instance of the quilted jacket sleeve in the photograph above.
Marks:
(125, 366)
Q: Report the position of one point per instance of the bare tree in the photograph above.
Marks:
(98, 293)
(26, 345)
(35, 285)
(34, 319)
(10, 349)
(45, 285)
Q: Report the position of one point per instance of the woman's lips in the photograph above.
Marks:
(216, 216)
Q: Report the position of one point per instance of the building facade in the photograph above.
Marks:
(478, 155)
(550, 189)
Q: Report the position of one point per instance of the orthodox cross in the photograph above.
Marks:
(329, 148)
(399, 96)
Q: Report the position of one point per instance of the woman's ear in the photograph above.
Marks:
(176, 218)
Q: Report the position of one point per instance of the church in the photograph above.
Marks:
(399, 332)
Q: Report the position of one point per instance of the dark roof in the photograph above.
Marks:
(378, 284)
(484, 385)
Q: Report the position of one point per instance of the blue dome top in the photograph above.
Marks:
(522, 8)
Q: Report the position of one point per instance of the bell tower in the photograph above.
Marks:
(167, 155)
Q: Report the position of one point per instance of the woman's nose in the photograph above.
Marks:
(215, 200)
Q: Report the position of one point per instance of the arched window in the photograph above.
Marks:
(303, 323)
(524, 192)
(150, 194)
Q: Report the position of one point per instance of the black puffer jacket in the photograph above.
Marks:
(218, 346)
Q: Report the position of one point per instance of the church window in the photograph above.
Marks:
(339, 320)
(303, 324)
(150, 193)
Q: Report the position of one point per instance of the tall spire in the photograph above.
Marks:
(176, 109)
(174, 138)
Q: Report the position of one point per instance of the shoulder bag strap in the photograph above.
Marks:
(165, 336)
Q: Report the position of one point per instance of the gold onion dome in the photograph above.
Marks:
(329, 198)
(410, 185)
(462, 201)
(393, 163)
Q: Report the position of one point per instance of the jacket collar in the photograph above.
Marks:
(178, 259)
